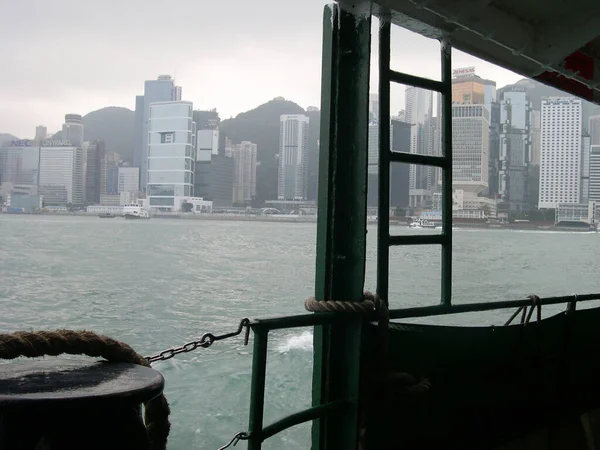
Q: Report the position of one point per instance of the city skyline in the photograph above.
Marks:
(209, 73)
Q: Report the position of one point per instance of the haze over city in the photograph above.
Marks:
(75, 57)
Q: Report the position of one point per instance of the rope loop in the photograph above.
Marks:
(55, 343)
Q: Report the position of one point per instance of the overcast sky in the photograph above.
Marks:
(76, 56)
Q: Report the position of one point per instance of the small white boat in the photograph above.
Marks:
(422, 223)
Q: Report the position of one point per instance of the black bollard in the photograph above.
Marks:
(70, 404)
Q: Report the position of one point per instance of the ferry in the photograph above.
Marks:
(422, 223)
(381, 380)
(135, 211)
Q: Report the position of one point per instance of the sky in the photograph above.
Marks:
(74, 56)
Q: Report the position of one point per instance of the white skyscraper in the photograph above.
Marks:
(61, 175)
(162, 89)
(293, 149)
(470, 147)
(560, 165)
(171, 153)
(244, 172)
(418, 112)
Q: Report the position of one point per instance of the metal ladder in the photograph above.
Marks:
(387, 156)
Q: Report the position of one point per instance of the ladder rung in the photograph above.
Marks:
(411, 80)
(414, 158)
(427, 239)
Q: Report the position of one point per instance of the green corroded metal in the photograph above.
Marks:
(257, 388)
(446, 51)
(341, 228)
(386, 156)
(261, 328)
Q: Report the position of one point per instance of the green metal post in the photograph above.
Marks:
(257, 389)
(383, 222)
(446, 51)
(341, 229)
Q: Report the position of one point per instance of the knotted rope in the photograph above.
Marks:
(54, 343)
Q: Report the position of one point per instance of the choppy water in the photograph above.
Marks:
(159, 283)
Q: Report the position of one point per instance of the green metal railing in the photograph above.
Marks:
(341, 231)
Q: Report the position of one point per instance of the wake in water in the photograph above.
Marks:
(302, 341)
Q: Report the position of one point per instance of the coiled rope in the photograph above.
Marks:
(54, 343)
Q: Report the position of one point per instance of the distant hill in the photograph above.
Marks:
(536, 91)
(6, 138)
(114, 125)
(261, 126)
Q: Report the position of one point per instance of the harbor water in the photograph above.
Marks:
(160, 283)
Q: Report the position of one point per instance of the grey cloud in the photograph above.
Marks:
(76, 56)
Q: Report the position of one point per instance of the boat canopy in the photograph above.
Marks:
(555, 42)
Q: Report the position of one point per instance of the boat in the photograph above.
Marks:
(135, 211)
(106, 216)
(380, 381)
(422, 223)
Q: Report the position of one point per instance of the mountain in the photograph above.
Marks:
(536, 91)
(261, 126)
(114, 125)
(5, 138)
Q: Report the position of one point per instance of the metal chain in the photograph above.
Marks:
(205, 341)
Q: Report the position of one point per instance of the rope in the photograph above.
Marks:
(368, 304)
(54, 343)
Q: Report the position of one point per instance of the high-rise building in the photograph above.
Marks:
(515, 148)
(594, 180)
(109, 174)
(244, 173)
(214, 180)
(41, 132)
(95, 154)
(494, 158)
(536, 137)
(162, 89)
(207, 145)
(293, 148)
(373, 163)
(594, 130)
(560, 166)
(373, 107)
(72, 130)
(585, 169)
(468, 88)
(128, 179)
(61, 175)
(470, 148)
(418, 113)
(171, 153)
(489, 93)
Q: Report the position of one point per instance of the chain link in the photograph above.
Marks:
(205, 341)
